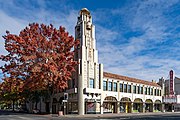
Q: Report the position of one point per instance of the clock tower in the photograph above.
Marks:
(89, 72)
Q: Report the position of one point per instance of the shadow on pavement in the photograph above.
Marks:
(10, 112)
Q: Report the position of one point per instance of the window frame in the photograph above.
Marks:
(128, 88)
(134, 89)
(104, 81)
(125, 88)
(90, 84)
(121, 89)
(115, 89)
(110, 83)
(138, 89)
(146, 91)
(141, 89)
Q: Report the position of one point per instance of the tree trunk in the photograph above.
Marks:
(51, 95)
(40, 104)
(36, 104)
(51, 102)
(13, 104)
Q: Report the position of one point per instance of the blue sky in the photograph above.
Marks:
(136, 38)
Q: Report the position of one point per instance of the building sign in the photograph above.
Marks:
(171, 83)
(93, 100)
(170, 99)
(91, 107)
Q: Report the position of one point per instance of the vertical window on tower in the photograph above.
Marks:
(104, 85)
(110, 86)
(91, 83)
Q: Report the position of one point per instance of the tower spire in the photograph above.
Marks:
(88, 71)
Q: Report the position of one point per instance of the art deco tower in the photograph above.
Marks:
(89, 72)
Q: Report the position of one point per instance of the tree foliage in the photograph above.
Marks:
(40, 57)
(10, 90)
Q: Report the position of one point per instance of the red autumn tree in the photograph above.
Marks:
(42, 56)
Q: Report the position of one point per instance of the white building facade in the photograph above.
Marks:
(93, 91)
(171, 97)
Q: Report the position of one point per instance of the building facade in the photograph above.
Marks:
(93, 91)
(171, 97)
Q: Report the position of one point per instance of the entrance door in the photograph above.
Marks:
(110, 105)
(113, 108)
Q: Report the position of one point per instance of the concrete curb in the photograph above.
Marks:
(87, 116)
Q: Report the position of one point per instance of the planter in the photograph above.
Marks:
(60, 113)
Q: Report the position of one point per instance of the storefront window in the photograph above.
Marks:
(121, 87)
(115, 87)
(91, 107)
(104, 85)
(72, 107)
(108, 107)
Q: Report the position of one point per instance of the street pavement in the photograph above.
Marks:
(7, 115)
(128, 116)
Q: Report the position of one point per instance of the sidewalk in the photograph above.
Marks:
(115, 115)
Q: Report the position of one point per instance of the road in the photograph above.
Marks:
(169, 116)
(9, 115)
(5, 115)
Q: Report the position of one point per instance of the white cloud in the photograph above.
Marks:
(126, 58)
(15, 25)
(105, 35)
(11, 24)
(117, 57)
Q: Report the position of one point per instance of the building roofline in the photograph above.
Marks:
(129, 79)
(84, 10)
(176, 78)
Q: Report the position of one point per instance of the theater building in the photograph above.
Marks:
(93, 91)
(171, 97)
